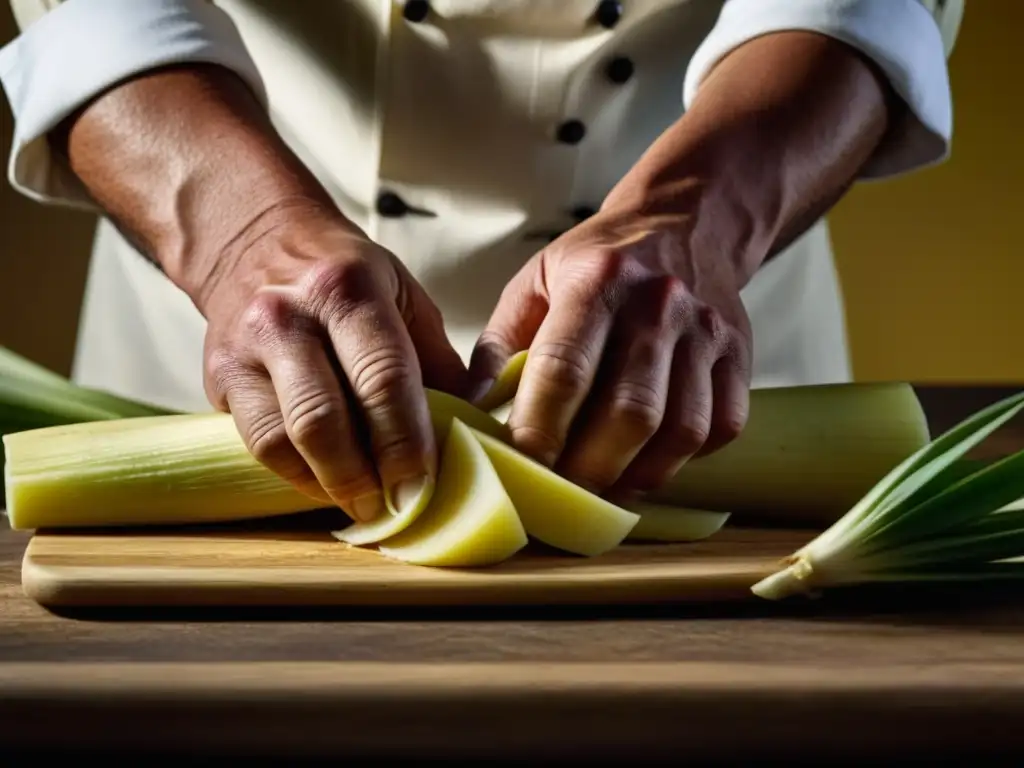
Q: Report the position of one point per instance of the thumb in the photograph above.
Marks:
(516, 318)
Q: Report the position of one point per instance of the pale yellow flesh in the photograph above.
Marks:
(444, 408)
(664, 523)
(807, 454)
(554, 510)
(504, 387)
(470, 520)
(165, 470)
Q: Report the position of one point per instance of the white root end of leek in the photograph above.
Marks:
(797, 578)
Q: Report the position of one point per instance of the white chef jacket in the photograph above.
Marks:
(450, 131)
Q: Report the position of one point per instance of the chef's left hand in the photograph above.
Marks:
(640, 352)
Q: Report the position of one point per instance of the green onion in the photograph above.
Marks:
(935, 517)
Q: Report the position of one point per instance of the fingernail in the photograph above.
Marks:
(368, 508)
(408, 493)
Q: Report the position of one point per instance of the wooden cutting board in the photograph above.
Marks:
(297, 562)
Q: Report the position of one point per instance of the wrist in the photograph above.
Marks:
(254, 252)
(713, 194)
(778, 131)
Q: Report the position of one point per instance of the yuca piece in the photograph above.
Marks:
(554, 510)
(665, 523)
(504, 387)
(164, 470)
(444, 408)
(470, 520)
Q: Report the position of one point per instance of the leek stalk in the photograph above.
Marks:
(934, 517)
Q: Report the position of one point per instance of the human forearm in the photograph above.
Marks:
(779, 130)
(311, 328)
(188, 165)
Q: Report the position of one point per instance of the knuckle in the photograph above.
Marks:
(688, 433)
(379, 375)
(338, 287)
(638, 407)
(268, 315)
(565, 368)
(540, 443)
(593, 479)
(731, 426)
(268, 441)
(675, 299)
(712, 325)
(221, 368)
(314, 416)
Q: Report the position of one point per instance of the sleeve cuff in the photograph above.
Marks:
(900, 36)
(83, 47)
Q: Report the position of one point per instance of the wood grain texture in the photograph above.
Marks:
(294, 561)
(626, 711)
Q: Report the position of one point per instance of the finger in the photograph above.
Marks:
(320, 424)
(518, 315)
(377, 356)
(441, 366)
(250, 398)
(629, 403)
(730, 379)
(686, 423)
(560, 370)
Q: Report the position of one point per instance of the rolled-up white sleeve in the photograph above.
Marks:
(907, 41)
(68, 55)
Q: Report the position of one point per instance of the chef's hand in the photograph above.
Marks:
(640, 348)
(640, 353)
(319, 344)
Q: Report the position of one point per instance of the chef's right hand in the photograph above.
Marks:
(320, 344)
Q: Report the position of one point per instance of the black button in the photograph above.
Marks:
(571, 132)
(391, 205)
(619, 69)
(582, 212)
(608, 13)
(416, 10)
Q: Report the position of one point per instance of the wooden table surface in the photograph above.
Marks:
(925, 672)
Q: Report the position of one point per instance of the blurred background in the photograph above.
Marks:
(931, 264)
